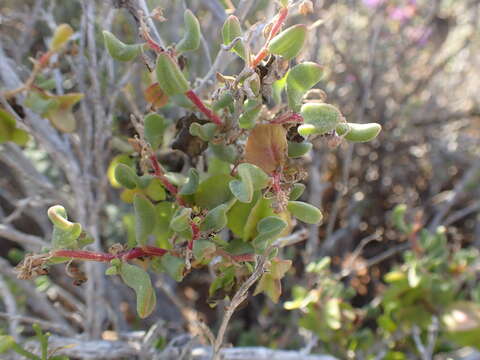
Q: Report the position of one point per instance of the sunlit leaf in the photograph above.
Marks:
(136, 278)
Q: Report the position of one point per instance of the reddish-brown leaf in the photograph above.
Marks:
(155, 96)
(267, 147)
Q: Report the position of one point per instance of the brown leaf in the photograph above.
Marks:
(267, 147)
(155, 96)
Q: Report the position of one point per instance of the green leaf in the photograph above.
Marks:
(268, 229)
(40, 104)
(203, 250)
(112, 270)
(65, 233)
(305, 212)
(119, 159)
(155, 126)
(155, 190)
(216, 219)
(191, 38)
(205, 132)
(296, 149)
(252, 178)
(6, 343)
(192, 184)
(174, 266)
(164, 213)
(144, 218)
(270, 286)
(19, 137)
(126, 176)
(289, 42)
(318, 118)
(119, 50)
(333, 314)
(363, 132)
(169, 76)
(231, 29)
(300, 79)
(213, 191)
(297, 191)
(7, 126)
(227, 153)
(224, 100)
(181, 220)
(225, 281)
(136, 278)
(250, 115)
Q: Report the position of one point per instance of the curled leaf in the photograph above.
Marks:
(181, 220)
(205, 132)
(119, 50)
(296, 149)
(191, 38)
(268, 229)
(126, 176)
(216, 219)
(363, 132)
(169, 76)
(289, 42)
(250, 115)
(252, 178)
(297, 191)
(300, 79)
(136, 278)
(192, 184)
(231, 29)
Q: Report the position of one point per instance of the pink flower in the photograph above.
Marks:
(373, 3)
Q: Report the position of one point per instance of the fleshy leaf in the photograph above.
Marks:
(267, 147)
(289, 42)
(155, 126)
(268, 229)
(319, 118)
(144, 218)
(181, 220)
(216, 219)
(191, 38)
(136, 278)
(296, 149)
(126, 176)
(305, 212)
(192, 184)
(169, 76)
(119, 50)
(226, 153)
(174, 266)
(363, 132)
(297, 191)
(250, 115)
(300, 79)
(205, 132)
(231, 29)
(208, 199)
(119, 159)
(225, 99)
(65, 233)
(252, 178)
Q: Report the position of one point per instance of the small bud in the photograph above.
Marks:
(289, 42)
(363, 132)
(169, 76)
(61, 36)
(191, 38)
(305, 7)
(319, 118)
(231, 29)
(119, 50)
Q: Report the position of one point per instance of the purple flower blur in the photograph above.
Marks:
(373, 3)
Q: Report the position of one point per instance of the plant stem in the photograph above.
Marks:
(201, 106)
(106, 257)
(282, 15)
(195, 234)
(288, 117)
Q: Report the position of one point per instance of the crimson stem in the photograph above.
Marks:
(201, 106)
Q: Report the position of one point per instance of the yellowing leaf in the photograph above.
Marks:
(155, 96)
(267, 147)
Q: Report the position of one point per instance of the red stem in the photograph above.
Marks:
(161, 175)
(106, 257)
(201, 106)
(276, 183)
(195, 234)
(288, 117)
(282, 15)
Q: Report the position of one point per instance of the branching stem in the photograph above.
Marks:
(201, 106)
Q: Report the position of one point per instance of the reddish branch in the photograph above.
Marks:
(201, 106)
(195, 234)
(288, 117)
(134, 253)
(282, 15)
